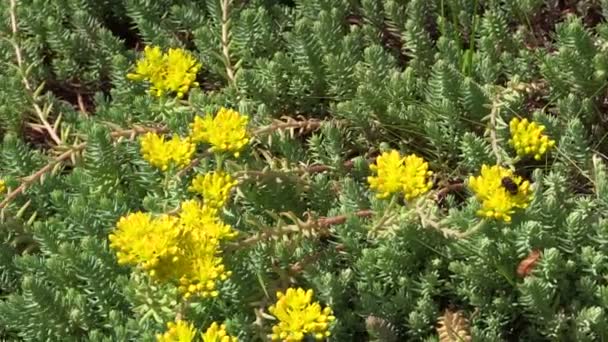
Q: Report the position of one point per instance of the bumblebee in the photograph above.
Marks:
(509, 184)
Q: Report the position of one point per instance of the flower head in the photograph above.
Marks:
(150, 67)
(173, 72)
(214, 187)
(389, 168)
(152, 243)
(395, 173)
(217, 333)
(528, 139)
(2, 185)
(498, 198)
(179, 331)
(181, 71)
(203, 221)
(416, 177)
(160, 153)
(227, 131)
(298, 316)
(201, 266)
(184, 250)
(201, 269)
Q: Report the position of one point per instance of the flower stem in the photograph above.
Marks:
(476, 228)
(385, 216)
(219, 161)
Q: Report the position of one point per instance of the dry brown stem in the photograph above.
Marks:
(27, 181)
(454, 327)
(303, 125)
(493, 137)
(41, 112)
(226, 7)
(69, 154)
(319, 225)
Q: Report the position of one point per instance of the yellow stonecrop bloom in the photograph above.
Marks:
(152, 243)
(2, 185)
(162, 154)
(184, 249)
(217, 333)
(181, 71)
(298, 316)
(416, 180)
(173, 72)
(497, 202)
(179, 331)
(389, 168)
(203, 266)
(202, 269)
(395, 173)
(528, 139)
(150, 67)
(226, 132)
(203, 221)
(214, 187)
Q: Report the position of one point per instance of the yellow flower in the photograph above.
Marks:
(149, 242)
(298, 316)
(174, 71)
(389, 167)
(227, 131)
(161, 154)
(201, 266)
(528, 139)
(202, 221)
(184, 250)
(151, 67)
(500, 192)
(416, 179)
(214, 187)
(181, 71)
(217, 333)
(180, 331)
(409, 175)
(2, 185)
(202, 269)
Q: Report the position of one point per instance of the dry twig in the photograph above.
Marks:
(303, 125)
(318, 225)
(454, 327)
(493, 138)
(41, 112)
(226, 7)
(27, 181)
(69, 154)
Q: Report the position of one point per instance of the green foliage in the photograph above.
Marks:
(440, 79)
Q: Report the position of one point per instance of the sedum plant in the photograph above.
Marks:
(333, 170)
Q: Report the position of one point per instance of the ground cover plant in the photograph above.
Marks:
(341, 170)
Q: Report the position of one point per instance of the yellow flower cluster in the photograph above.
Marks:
(162, 154)
(2, 185)
(226, 132)
(183, 249)
(298, 316)
(171, 72)
(203, 219)
(395, 173)
(217, 333)
(215, 188)
(151, 243)
(181, 331)
(500, 192)
(528, 139)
